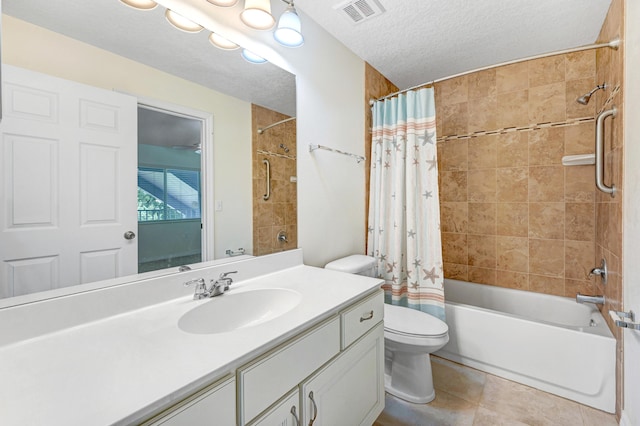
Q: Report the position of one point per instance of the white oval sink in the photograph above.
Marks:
(232, 311)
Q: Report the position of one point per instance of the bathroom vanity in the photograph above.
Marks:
(287, 343)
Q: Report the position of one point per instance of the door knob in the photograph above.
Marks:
(129, 235)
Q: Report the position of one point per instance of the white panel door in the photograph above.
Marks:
(68, 160)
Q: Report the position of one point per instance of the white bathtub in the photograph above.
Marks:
(548, 342)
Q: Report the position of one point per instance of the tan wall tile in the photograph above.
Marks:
(580, 64)
(454, 248)
(546, 257)
(453, 186)
(482, 185)
(579, 184)
(482, 275)
(546, 146)
(482, 251)
(482, 152)
(579, 139)
(578, 259)
(482, 84)
(456, 271)
(512, 184)
(482, 218)
(512, 254)
(510, 78)
(513, 109)
(515, 280)
(547, 103)
(546, 183)
(455, 119)
(580, 221)
(513, 149)
(548, 285)
(546, 221)
(453, 91)
(453, 155)
(454, 217)
(512, 219)
(482, 114)
(546, 71)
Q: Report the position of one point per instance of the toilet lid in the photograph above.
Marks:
(401, 320)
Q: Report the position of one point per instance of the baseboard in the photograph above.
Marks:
(624, 419)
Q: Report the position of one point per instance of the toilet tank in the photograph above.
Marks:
(355, 264)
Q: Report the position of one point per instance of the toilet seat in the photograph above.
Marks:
(408, 322)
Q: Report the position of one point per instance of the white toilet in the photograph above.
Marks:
(409, 337)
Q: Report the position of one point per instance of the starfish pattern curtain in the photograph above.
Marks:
(404, 211)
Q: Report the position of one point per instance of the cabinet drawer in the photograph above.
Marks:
(214, 405)
(265, 381)
(361, 318)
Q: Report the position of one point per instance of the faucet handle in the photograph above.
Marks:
(201, 288)
(224, 275)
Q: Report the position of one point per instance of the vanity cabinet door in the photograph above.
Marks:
(350, 389)
(285, 413)
(264, 381)
(213, 406)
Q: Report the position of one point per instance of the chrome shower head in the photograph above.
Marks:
(584, 99)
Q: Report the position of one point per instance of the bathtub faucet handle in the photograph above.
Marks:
(602, 271)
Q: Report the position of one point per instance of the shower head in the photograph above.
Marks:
(584, 99)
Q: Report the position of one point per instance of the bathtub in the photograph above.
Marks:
(547, 342)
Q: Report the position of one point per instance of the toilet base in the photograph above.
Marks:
(408, 376)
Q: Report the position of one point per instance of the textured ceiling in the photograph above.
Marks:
(413, 42)
(416, 41)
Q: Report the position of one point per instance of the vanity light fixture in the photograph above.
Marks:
(257, 14)
(249, 56)
(288, 33)
(182, 23)
(222, 43)
(223, 3)
(141, 4)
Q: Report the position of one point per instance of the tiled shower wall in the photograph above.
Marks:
(511, 214)
(279, 212)
(609, 69)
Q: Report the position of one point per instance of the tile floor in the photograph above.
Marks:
(465, 396)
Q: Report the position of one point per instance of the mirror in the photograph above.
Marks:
(146, 38)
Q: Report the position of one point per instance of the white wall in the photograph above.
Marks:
(330, 108)
(28, 46)
(631, 211)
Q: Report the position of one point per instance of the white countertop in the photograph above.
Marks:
(120, 369)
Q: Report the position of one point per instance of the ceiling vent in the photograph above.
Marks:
(358, 11)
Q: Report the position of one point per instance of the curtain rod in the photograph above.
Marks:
(262, 129)
(613, 44)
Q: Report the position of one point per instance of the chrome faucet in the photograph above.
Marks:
(217, 287)
(222, 284)
(584, 298)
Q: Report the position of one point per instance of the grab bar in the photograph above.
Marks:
(268, 183)
(600, 152)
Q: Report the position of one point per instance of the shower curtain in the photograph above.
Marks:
(404, 211)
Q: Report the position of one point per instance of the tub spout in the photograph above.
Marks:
(584, 298)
